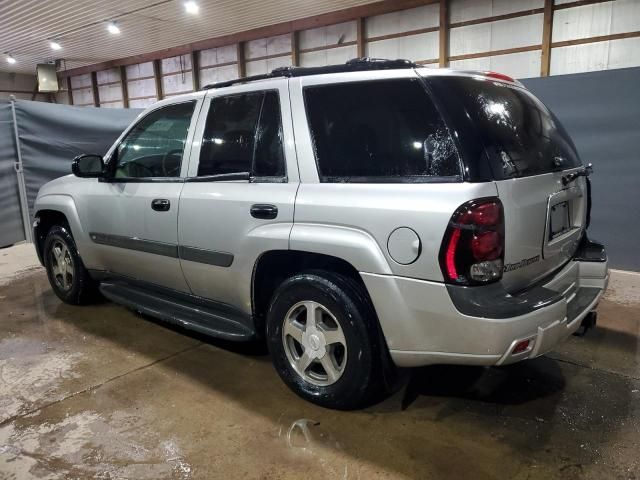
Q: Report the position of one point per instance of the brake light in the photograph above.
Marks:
(499, 76)
(486, 246)
(472, 250)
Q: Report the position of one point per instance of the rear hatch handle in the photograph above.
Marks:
(570, 177)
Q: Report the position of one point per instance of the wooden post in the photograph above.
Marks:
(195, 70)
(69, 91)
(295, 49)
(124, 87)
(443, 30)
(547, 30)
(94, 89)
(242, 72)
(360, 37)
(157, 75)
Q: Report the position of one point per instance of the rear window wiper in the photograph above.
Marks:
(570, 177)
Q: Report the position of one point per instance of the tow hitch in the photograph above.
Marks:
(588, 322)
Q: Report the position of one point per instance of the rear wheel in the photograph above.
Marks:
(325, 341)
(69, 279)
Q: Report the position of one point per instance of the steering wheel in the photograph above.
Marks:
(175, 170)
(133, 169)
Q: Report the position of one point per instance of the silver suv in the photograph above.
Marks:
(358, 217)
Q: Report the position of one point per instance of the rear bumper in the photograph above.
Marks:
(425, 323)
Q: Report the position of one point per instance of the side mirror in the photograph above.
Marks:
(88, 165)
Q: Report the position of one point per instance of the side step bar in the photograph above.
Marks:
(189, 312)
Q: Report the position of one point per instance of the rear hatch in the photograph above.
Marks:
(527, 153)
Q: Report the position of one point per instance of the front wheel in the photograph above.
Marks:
(69, 279)
(325, 341)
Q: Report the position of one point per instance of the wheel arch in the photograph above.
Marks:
(45, 220)
(54, 210)
(275, 266)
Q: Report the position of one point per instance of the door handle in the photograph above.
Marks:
(264, 211)
(161, 205)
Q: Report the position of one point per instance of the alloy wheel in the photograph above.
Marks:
(61, 265)
(314, 343)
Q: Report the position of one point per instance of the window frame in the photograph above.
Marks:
(110, 157)
(367, 77)
(239, 176)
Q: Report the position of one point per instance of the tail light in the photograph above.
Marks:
(472, 250)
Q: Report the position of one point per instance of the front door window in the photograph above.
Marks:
(154, 147)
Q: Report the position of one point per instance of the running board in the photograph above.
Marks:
(189, 312)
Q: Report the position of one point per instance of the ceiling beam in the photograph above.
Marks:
(295, 49)
(69, 91)
(443, 29)
(124, 86)
(242, 71)
(94, 89)
(360, 36)
(157, 76)
(195, 70)
(331, 18)
(547, 30)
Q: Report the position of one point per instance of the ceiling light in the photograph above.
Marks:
(113, 28)
(191, 7)
(10, 59)
(55, 45)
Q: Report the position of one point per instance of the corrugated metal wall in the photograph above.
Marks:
(500, 35)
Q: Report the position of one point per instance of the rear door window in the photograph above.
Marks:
(520, 135)
(379, 131)
(243, 134)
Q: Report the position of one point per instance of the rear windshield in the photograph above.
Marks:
(520, 135)
(379, 131)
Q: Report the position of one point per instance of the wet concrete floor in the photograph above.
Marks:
(100, 392)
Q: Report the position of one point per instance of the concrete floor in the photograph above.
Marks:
(99, 392)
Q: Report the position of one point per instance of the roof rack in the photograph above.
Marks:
(353, 65)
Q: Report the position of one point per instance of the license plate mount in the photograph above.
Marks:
(559, 222)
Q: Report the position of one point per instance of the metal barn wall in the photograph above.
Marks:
(502, 35)
(328, 45)
(601, 111)
(381, 34)
(601, 19)
(19, 85)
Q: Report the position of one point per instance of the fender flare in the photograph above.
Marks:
(354, 246)
(65, 205)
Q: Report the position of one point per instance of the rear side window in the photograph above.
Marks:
(243, 133)
(520, 135)
(379, 131)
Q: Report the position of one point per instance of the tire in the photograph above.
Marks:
(68, 277)
(362, 368)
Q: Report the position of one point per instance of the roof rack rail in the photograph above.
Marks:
(353, 65)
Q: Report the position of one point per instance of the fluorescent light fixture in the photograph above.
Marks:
(113, 28)
(191, 7)
(54, 45)
(10, 59)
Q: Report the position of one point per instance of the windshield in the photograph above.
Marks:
(520, 135)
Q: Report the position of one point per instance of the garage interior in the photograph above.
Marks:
(104, 392)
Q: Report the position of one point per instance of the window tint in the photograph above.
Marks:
(379, 131)
(243, 133)
(519, 133)
(268, 159)
(154, 147)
